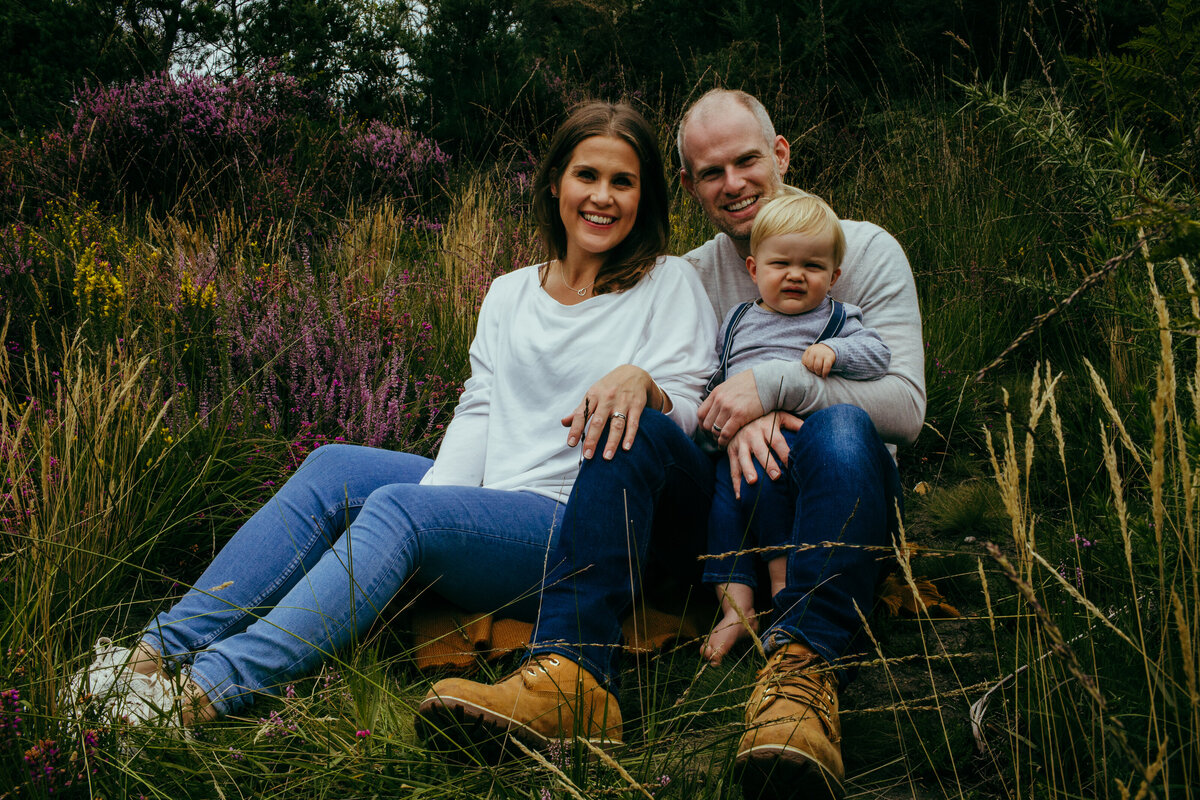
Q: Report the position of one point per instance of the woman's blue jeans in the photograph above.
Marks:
(847, 488)
(314, 567)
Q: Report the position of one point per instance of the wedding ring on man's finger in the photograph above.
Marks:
(620, 416)
(716, 428)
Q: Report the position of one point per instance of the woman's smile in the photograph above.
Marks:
(598, 196)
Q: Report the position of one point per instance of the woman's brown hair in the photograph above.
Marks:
(630, 260)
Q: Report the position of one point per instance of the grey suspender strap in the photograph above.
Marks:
(837, 321)
(726, 340)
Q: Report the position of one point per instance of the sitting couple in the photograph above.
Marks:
(558, 527)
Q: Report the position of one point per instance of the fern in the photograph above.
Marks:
(1153, 85)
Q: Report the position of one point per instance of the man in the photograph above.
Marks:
(624, 502)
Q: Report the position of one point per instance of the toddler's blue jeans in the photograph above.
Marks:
(762, 517)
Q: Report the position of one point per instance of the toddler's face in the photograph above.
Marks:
(793, 271)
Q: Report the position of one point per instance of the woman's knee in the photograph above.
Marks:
(388, 526)
(656, 436)
(325, 451)
(321, 479)
(393, 506)
(350, 472)
(325, 465)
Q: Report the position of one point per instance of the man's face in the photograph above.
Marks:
(733, 170)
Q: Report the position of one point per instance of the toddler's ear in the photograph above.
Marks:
(837, 273)
(750, 267)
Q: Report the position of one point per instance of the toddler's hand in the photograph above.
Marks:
(819, 358)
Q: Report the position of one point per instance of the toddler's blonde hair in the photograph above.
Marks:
(796, 211)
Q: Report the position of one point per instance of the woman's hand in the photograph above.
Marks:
(621, 395)
(760, 440)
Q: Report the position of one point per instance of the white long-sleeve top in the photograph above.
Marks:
(533, 360)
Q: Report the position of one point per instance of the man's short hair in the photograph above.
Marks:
(796, 211)
(744, 99)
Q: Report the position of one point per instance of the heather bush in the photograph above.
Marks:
(195, 145)
(280, 339)
(157, 138)
(384, 160)
(316, 356)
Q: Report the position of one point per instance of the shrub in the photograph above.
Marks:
(160, 136)
(195, 145)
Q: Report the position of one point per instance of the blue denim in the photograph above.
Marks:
(761, 518)
(308, 573)
(848, 493)
(663, 484)
(846, 488)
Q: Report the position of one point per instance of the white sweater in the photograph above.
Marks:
(875, 277)
(533, 360)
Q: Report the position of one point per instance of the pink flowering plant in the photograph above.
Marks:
(196, 145)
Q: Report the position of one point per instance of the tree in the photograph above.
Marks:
(48, 48)
(347, 50)
(471, 71)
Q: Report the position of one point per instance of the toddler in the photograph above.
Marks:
(796, 248)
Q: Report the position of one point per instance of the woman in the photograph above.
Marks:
(311, 570)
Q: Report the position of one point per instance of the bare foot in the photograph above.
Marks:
(146, 661)
(730, 629)
(197, 708)
(777, 569)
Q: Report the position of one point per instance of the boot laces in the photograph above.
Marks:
(539, 663)
(798, 678)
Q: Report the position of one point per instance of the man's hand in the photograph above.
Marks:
(621, 394)
(730, 406)
(819, 359)
(760, 440)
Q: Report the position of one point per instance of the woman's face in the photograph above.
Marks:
(598, 194)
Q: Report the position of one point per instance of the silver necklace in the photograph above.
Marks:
(563, 275)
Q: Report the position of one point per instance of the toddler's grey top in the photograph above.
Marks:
(875, 277)
(762, 335)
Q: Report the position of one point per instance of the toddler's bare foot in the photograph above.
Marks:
(145, 660)
(730, 629)
(197, 708)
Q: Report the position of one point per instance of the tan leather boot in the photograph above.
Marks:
(792, 745)
(549, 699)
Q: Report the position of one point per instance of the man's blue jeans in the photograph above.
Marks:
(847, 487)
(314, 567)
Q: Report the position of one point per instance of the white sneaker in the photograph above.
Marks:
(114, 693)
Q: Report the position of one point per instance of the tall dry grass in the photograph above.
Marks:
(1105, 698)
(78, 474)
